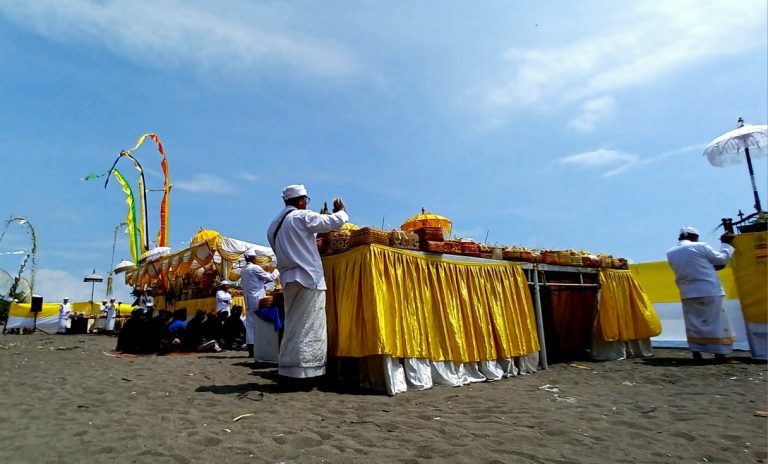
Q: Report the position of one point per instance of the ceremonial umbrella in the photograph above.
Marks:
(205, 235)
(728, 149)
(124, 266)
(427, 219)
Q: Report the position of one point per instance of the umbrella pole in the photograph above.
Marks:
(758, 207)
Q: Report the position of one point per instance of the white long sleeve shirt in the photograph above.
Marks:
(295, 248)
(693, 264)
(253, 278)
(223, 301)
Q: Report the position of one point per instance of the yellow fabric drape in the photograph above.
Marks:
(658, 281)
(385, 301)
(625, 312)
(52, 309)
(750, 268)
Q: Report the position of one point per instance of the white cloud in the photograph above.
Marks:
(592, 112)
(205, 183)
(647, 42)
(53, 285)
(187, 34)
(617, 161)
(249, 177)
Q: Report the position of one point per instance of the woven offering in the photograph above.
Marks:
(452, 247)
(368, 236)
(469, 248)
(434, 247)
(403, 240)
(266, 302)
(551, 257)
(511, 254)
(337, 241)
(564, 258)
(322, 244)
(432, 234)
(485, 250)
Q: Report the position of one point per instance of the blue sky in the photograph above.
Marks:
(542, 124)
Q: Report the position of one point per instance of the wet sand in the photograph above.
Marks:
(71, 399)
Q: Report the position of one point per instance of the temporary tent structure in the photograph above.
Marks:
(208, 248)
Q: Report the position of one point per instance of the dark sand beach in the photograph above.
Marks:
(72, 399)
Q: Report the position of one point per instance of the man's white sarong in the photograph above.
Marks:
(264, 341)
(304, 349)
(707, 326)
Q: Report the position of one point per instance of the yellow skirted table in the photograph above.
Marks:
(408, 304)
(625, 311)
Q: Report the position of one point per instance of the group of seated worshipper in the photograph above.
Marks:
(166, 332)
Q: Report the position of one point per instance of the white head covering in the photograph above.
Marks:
(689, 230)
(66, 298)
(249, 253)
(293, 191)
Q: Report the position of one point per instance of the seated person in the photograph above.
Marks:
(213, 329)
(193, 332)
(234, 330)
(130, 337)
(176, 328)
(157, 341)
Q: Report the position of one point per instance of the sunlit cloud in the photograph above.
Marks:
(648, 41)
(205, 183)
(592, 113)
(613, 162)
(182, 34)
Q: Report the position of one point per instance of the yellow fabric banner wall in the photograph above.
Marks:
(625, 311)
(658, 281)
(52, 309)
(385, 301)
(750, 268)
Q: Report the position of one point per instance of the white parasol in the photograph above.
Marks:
(124, 266)
(749, 139)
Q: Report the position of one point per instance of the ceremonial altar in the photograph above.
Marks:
(415, 319)
(451, 319)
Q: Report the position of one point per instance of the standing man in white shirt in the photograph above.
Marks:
(110, 308)
(64, 312)
(701, 292)
(260, 334)
(304, 348)
(223, 298)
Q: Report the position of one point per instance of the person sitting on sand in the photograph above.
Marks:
(212, 328)
(234, 329)
(176, 328)
(129, 339)
(193, 332)
(158, 332)
(701, 292)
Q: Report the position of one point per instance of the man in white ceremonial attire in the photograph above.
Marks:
(110, 315)
(260, 334)
(702, 294)
(65, 310)
(223, 298)
(304, 348)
